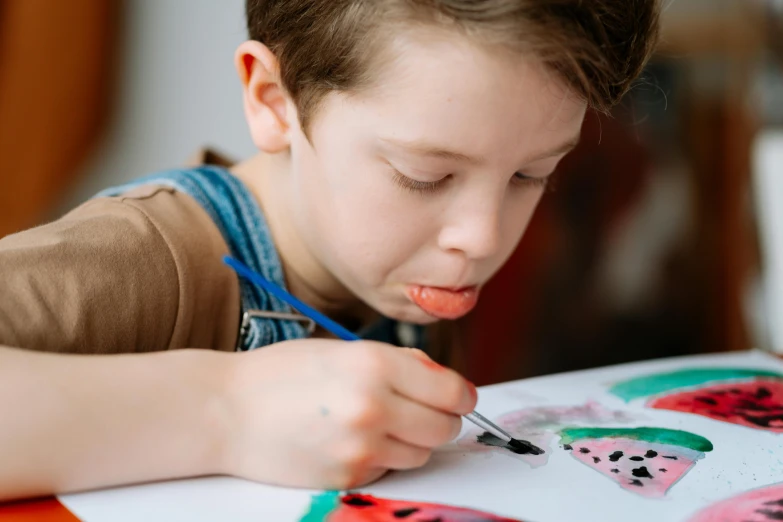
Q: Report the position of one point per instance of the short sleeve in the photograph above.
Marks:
(136, 273)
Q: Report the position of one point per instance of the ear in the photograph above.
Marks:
(265, 100)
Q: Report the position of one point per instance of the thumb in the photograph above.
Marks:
(425, 359)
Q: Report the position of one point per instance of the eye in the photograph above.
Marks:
(522, 180)
(419, 187)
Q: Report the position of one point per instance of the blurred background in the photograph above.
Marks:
(663, 235)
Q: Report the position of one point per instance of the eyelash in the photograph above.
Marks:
(429, 187)
(418, 187)
(528, 181)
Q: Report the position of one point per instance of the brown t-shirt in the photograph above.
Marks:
(137, 273)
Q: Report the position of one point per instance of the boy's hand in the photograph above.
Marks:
(333, 414)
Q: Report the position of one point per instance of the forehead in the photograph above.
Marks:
(484, 100)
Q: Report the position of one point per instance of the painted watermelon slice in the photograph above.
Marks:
(335, 507)
(747, 397)
(645, 461)
(540, 426)
(760, 505)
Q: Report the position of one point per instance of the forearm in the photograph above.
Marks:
(78, 422)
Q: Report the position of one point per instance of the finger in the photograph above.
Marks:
(419, 354)
(413, 423)
(395, 454)
(431, 384)
(346, 478)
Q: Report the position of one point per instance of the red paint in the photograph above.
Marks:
(366, 508)
(38, 510)
(758, 505)
(432, 365)
(757, 404)
(442, 302)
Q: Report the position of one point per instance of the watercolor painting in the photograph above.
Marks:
(645, 461)
(540, 426)
(759, 505)
(747, 397)
(332, 506)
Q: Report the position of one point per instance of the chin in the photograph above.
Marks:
(421, 318)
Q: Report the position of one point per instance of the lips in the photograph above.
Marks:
(444, 303)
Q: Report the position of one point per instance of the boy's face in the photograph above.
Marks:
(414, 193)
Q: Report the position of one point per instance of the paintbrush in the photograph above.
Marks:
(502, 438)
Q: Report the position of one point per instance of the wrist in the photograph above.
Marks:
(210, 381)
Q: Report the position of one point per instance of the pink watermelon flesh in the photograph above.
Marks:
(757, 404)
(645, 468)
(759, 505)
(366, 508)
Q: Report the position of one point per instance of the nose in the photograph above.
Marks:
(472, 229)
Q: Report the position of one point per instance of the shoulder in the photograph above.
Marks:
(173, 215)
(208, 290)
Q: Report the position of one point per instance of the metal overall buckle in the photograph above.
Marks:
(244, 327)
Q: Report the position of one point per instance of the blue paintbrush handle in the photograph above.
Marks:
(319, 318)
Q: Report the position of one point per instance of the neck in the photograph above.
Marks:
(268, 178)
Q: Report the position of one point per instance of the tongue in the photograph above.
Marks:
(442, 303)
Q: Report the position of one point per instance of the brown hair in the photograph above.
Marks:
(598, 47)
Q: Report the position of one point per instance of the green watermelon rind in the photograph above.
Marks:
(321, 506)
(649, 385)
(660, 435)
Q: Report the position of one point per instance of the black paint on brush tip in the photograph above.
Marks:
(520, 447)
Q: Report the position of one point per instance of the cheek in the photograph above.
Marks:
(363, 223)
(517, 215)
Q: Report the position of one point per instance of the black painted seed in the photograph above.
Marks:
(614, 457)
(614, 470)
(567, 447)
(637, 459)
(669, 457)
(596, 459)
(641, 472)
(662, 470)
(763, 393)
(651, 454)
(357, 501)
(770, 514)
(405, 512)
(636, 482)
(584, 450)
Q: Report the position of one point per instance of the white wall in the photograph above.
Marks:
(177, 90)
(768, 185)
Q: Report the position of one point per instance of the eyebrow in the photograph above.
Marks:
(425, 149)
(565, 148)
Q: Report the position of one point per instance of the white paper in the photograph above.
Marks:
(562, 489)
(768, 187)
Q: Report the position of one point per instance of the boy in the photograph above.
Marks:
(404, 145)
